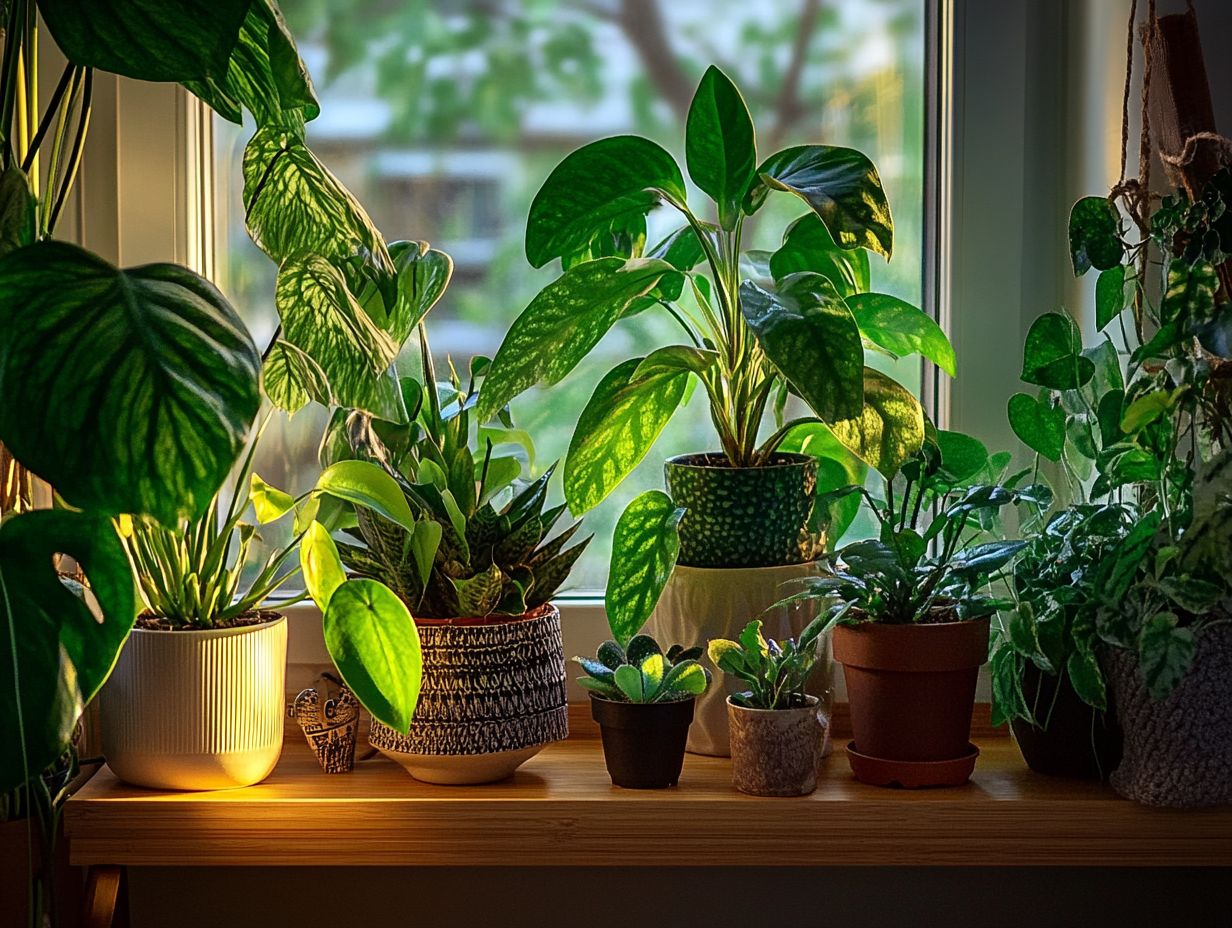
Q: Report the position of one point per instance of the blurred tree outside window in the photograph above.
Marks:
(445, 116)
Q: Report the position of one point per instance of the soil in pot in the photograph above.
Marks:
(743, 516)
(643, 743)
(911, 689)
(1077, 741)
(775, 752)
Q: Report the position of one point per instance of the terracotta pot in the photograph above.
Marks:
(643, 743)
(1076, 741)
(911, 689)
(775, 752)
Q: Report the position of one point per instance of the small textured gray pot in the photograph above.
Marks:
(775, 752)
(1178, 750)
(743, 516)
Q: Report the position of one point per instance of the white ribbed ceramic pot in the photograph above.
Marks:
(197, 709)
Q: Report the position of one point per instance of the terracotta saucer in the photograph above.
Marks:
(912, 774)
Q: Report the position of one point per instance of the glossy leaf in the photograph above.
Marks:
(676, 359)
(363, 483)
(321, 565)
(599, 181)
(889, 428)
(902, 329)
(269, 503)
(1052, 355)
(1038, 424)
(1190, 296)
(105, 393)
(1110, 296)
(374, 644)
(1093, 241)
(720, 148)
(563, 323)
(1165, 652)
(423, 275)
(618, 426)
(644, 549)
(840, 184)
(292, 379)
(681, 249)
(63, 651)
(808, 246)
(962, 456)
(1087, 678)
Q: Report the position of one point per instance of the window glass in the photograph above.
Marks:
(445, 117)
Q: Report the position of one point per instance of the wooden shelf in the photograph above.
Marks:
(561, 810)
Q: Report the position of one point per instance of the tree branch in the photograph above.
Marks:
(642, 23)
(787, 106)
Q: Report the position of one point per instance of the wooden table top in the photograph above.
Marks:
(560, 809)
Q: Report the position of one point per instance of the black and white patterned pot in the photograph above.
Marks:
(493, 696)
(743, 516)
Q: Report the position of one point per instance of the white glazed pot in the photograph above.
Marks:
(197, 709)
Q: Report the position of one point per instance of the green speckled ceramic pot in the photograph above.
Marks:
(743, 516)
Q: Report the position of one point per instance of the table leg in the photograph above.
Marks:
(102, 891)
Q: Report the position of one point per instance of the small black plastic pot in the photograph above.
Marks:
(1078, 741)
(643, 743)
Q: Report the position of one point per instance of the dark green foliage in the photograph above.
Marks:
(776, 672)
(642, 673)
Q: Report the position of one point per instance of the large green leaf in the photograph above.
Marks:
(128, 390)
(563, 323)
(292, 379)
(1052, 355)
(151, 40)
(842, 187)
(374, 644)
(720, 147)
(644, 549)
(1039, 424)
(293, 204)
(599, 181)
(423, 275)
(808, 246)
(363, 483)
(321, 318)
(1093, 240)
(321, 564)
(809, 334)
(889, 428)
(901, 328)
(264, 75)
(63, 652)
(622, 420)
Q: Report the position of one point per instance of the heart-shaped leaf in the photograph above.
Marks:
(374, 644)
(1093, 240)
(292, 379)
(106, 395)
(1110, 295)
(809, 334)
(63, 651)
(423, 275)
(720, 149)
(901, 329)
(840, 184)
(889, 428)
(599, 181)
(681, 249)
(1052, 356)
(808, 246)
(1038, 424)
(962, 457)
(563, 323)
(644, 549)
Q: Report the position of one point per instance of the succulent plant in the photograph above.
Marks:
(642, 673)
(776, 673)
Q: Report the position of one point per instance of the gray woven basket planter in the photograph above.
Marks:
(1178, 750)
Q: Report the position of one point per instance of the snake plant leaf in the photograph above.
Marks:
(18, 222)
(321, 318)
(720, 146)
(1093, 238)
(294, 205)
(150, 40)
(1052, 354)
(563, 323)
(64, 651)
(809, 334)
(1039, 424)
(808, 246)
(840, 184)
(902, 329)
(621, 421)
(423, 275)
(480, 593)
(363, 483)
(264, 75)
(889, 428)
(592, 186)
(292, 379)
(105, 394)
(321, 565)
(644, 549)
(374, 643)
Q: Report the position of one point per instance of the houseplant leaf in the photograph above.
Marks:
(423, 275)
(1052, 355)
(321, 564)
(1110, 296)
(809, 334)
(105, 395)
(363, 483)
(18, 223)
(619, 424)
(1039, 424)
(624, 174)
(1093, 241)
(644, 549)
(889, 428)
(63, 652)
(1165, 650)
(720, 149)
(840, 184)
(292, 379)
(808, 246)
(901, 328)
(563, 323)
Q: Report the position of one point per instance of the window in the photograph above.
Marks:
(444, 119)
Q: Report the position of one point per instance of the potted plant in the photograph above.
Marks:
(911, 626)
(643, 701)
(757, 329)
(777, 728)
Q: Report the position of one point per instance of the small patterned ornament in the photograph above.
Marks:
(330, 725)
